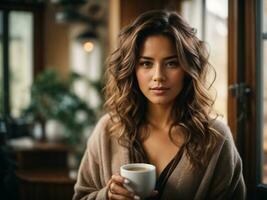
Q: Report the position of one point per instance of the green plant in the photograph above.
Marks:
(53, 98)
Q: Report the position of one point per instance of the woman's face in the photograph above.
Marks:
(159, 76)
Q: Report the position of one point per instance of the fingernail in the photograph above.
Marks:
(136, 197)
(126, 181)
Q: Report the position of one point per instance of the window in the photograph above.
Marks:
(21, 56)
(216, 34)
(20, 60)
(192, 11)
(1, 67)
(88, 65)
(210, 17)
(264, 68)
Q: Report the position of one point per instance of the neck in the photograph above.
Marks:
(159, 116)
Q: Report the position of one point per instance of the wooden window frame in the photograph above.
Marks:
(244, 53)
(38, 53)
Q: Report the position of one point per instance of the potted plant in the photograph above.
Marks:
(53, 99)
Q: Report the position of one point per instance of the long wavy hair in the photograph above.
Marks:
(192, 109)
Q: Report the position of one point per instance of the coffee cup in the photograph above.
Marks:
(141, 176)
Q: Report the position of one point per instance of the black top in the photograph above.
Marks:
(138, 155)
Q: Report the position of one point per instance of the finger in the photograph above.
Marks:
(119, 179)
(112, 196)
(118, 189)
(109, 182)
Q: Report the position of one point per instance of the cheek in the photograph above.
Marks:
(178, 78)
(142, 78)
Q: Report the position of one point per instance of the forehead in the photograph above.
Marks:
(157, 45)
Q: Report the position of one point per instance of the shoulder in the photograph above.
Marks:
(222, 128)
(227, 147)
(102, 122)
(99, 132)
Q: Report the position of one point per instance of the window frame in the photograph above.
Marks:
(37, 9)
(261, 36)
(245, 67)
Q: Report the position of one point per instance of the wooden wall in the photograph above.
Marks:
(56, 42)
(123, 12)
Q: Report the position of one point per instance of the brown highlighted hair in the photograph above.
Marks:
(193, 106)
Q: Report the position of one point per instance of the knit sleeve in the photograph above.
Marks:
(89, 183)
(228, 181)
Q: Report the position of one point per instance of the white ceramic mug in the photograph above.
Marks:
(142, 178)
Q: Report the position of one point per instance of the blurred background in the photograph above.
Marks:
(52, 58)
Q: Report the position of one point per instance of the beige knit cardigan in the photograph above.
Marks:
(221, 179)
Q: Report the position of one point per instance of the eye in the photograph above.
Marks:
(146, 64)
(172, 64)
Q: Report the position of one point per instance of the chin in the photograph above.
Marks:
(160, 101)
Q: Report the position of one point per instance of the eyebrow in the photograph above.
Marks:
(149, 58)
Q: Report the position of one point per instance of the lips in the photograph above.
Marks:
(159, 90)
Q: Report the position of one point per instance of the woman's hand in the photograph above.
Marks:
(117, 191)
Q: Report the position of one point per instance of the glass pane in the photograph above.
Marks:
(265, 16)
(20, 59)
(1, 64)
(264, 178)
(216, 35)
(192, 12)
(88, 65)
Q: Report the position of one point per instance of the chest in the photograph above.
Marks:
(160, 151)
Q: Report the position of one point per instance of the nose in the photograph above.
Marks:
(158, 75)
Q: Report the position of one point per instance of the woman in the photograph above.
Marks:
(159, 112)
